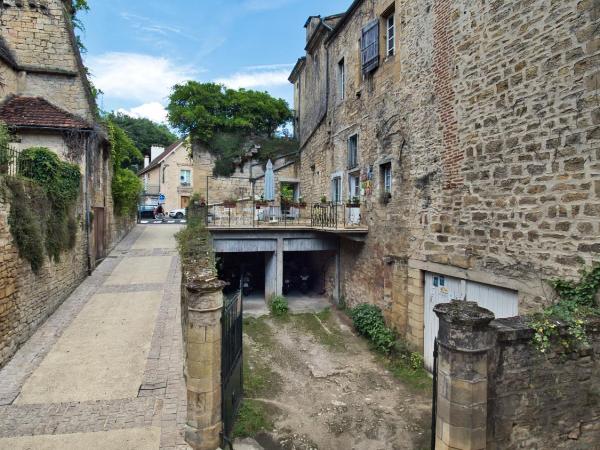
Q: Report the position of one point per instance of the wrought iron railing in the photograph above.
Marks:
(12, 164)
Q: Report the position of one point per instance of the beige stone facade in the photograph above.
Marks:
(40, 65)
(170, 174)
(487, 117)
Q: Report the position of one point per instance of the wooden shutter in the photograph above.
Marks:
(370, 47)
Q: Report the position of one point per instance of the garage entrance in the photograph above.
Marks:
(442, 289)
(231, 266)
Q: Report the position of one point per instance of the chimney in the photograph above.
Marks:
(155, 152)
(146, 161)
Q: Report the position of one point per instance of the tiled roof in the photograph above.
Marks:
(156, 161)
(36, 112)
(6, 54)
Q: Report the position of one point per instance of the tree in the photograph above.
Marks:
(143, 132)
(203, 109)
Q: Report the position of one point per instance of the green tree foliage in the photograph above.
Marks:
(143, 132)
(4, 140)
(126, 186)
(202, 109)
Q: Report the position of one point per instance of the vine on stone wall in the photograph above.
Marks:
(577, 301)
(42, 213)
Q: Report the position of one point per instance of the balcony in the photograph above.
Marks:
(248, 214)
(151, 189)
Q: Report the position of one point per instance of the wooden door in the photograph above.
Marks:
(185, 201)
(99, 232)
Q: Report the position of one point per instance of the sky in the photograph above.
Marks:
(138, 49)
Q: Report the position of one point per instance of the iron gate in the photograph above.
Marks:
(231, 361)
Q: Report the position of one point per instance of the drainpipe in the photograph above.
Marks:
(87, 204)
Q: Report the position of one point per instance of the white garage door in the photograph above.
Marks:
(441, 289)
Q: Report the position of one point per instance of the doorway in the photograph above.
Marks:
(99, 233)
(185, 201)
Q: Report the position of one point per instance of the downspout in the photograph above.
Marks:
(87, 205)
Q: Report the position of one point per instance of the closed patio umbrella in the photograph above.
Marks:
(269, 183)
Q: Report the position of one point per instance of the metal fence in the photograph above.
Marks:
(12, 163)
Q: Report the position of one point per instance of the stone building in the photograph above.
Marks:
(168, 172)
(470, 132)
(46, 101)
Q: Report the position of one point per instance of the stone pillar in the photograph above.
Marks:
(270, 275)
(280, 266)
(202, 302)
(464, 340)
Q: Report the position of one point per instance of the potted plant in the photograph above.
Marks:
(261, 202)
(230, 202)
(323, 199)
(353, 202)
(301, 203)
(287, 196)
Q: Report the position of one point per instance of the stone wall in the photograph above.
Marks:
(496, 390)
(39, 34)
(542, 401)
(489, 116)
(26, 298)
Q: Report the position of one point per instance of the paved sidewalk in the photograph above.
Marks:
(105, 370)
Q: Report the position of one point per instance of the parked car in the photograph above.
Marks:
(177, 213)
(146, 211)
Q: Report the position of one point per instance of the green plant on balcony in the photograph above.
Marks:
(286, 195)
(301, 203)
(323, 199)
(353, 202)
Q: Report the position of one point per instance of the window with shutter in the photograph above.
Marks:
(370, 47)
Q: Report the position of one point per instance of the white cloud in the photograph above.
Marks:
(153, 111)
(137, 77)
(258, 77)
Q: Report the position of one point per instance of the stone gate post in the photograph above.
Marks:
(464, 340)
(202, 303)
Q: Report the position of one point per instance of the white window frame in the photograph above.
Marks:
(353, 186)
(336, 188)
(185, 180)
(352, 162)
(390, 35)
(342, 79)
(387, 177)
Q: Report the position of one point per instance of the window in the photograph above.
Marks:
(369, 47)
(341, 79)
(386, 178)
(185, 177)
(390, 35)
(353, 186)
(336, 189)
(353, 152)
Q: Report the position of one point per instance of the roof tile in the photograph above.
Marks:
(37, 112)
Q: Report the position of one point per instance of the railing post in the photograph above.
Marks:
(464, 340)
(202, 304)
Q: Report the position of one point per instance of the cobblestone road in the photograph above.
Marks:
(105, 370)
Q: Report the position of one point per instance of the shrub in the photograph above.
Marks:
(279, 306)
(368, 321)
(126, 189)
(4, 149)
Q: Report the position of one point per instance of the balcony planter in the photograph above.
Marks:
(323, 199)
(301, 204)
(354, 202)
(230, 203)
(261, 204)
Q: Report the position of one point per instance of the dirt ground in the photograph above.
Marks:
(321, 387)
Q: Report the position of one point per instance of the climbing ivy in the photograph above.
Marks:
(126, 186)
(577, 300)
(44, 197)
(4, 140)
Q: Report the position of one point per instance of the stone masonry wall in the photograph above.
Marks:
(27, 299)
(542, 401)
(490, 117)
(38, 34)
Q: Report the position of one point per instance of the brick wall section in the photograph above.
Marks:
(542, 401)
(444, 56)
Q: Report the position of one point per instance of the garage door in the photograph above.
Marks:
(441, 289)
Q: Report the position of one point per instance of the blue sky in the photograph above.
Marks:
(138, 49)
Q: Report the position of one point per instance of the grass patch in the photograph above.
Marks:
(417, 379)
(259, 379)
(259, 331)
(252, 418)
(315, 325)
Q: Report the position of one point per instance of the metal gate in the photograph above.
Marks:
(231, 361)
